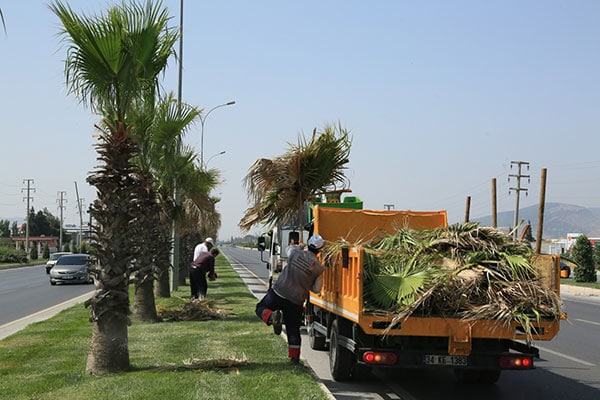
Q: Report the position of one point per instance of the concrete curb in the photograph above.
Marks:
(17, 325)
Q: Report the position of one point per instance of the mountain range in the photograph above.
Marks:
(559, 219)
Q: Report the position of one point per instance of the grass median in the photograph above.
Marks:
(216, 349)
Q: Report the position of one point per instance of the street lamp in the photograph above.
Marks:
(213, 156)
(202, 121)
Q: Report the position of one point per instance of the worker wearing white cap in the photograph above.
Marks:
(204, 246)
(284, 302)
(195, 283)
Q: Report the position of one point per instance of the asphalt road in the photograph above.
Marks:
(569, 367)
(26, 296)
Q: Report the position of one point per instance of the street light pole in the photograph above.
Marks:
(213, 156)
(202, 121)
(174, 277)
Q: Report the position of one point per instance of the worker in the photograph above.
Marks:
(203, 246)
(284, 301)
(203, 265)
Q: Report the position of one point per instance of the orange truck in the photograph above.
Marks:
(359, 340)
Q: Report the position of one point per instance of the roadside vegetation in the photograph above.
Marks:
(216, 349)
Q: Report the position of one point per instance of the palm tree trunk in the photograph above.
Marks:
(109, 350)
(163, 286)
(144, 305)
(162, 262)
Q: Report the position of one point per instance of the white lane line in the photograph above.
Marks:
(577, 360)
(588, 322)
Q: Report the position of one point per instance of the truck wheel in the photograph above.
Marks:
(315, 339)
(341, 360)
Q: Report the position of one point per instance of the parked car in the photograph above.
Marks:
(71, 268)
(53, 258)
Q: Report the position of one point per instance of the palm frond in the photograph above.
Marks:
(278, 188)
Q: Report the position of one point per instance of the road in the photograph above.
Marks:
(569, 367)
(26, 296)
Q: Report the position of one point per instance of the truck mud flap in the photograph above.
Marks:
(523, 348)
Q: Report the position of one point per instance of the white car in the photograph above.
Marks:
(52, 260)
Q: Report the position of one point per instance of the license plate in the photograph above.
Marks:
(445, 360)
(66, 277)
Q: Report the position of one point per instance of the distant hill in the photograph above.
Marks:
(559, 219)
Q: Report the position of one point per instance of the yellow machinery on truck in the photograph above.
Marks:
(359, 340)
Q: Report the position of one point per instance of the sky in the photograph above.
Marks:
(440, 97)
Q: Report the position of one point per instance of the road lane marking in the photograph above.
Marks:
(577, 360)
(587, 322)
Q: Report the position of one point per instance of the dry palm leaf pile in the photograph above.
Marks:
(462, 271)
(193, 311)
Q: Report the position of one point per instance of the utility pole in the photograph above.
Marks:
(29, 189)
(174, 283)
(79, 201)
(388, 206)
(494, 205)
(518, 189)
(61, 200)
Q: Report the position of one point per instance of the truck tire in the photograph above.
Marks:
(315, 339)
(485, 376)
(341, 360)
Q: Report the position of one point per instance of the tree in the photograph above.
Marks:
(584, 258)
(528, 234)
(45, 251)
(278, 188)
(4, 228)
(113, 61)
(43, 223)
(33, 253)
(597, 255)
(172, 164)
(14, 229)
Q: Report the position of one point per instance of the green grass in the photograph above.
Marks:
(170, 360)
(571, 282)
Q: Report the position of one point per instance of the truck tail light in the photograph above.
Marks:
(379, 357)
(516, 362)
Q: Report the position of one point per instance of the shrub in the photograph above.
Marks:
(33, 253)
(46, 251)
(583, 256)
(12, 255)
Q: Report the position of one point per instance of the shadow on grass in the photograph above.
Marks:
(232, 365)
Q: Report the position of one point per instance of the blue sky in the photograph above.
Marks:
(439, 97)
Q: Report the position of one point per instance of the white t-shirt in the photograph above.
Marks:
(199, 249)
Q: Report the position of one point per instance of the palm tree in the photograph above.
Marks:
(278, 188)
(162, 157)
(113, 62)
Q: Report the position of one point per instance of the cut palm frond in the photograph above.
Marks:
(462, 271)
